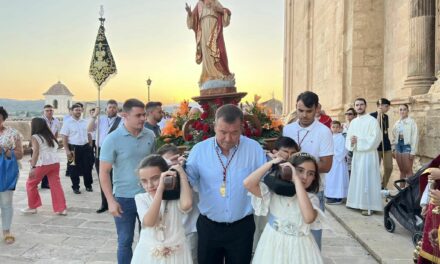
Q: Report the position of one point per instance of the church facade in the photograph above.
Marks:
(344, 49)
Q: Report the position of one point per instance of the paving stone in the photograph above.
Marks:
(83, 236)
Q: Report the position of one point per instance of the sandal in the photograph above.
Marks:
(9, 239)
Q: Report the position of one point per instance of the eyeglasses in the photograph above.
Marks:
(348, 113)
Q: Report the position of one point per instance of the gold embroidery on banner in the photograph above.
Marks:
(102, 65)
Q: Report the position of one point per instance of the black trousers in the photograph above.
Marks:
(225, 243)
(104, 203)
(83, 165)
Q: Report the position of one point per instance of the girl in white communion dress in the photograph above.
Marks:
(287, 238)
(162, 239)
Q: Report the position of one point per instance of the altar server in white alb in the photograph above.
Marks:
(336, 181)
(363, 138)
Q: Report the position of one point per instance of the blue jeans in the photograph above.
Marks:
(6, 209)
(125, 226)
(402, 148)
(317, 234)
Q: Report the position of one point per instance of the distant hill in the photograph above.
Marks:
(31, 108)
(20, 106)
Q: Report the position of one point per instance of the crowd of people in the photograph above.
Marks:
(229, 201)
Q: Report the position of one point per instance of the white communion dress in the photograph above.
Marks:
(164, 243)
(286, 239)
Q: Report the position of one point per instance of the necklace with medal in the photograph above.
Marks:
(301, 141)
(225, 168)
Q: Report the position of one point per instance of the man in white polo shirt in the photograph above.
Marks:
(314, 138)
(78, 146)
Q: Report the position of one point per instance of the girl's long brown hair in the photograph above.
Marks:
(39, 127)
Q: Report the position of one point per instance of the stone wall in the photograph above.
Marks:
(343, 49)
(24, 127)
(328, 59)
(396, 44)
(335, 49)
(367, 50)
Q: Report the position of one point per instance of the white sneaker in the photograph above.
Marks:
(28, 211)
(385, 193)
(63, 213)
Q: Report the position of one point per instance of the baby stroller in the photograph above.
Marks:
(405, 207)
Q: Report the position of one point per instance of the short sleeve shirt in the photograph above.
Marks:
(316, 139)
(125, 151)
(76, 131)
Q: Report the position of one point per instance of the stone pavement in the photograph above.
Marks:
(84, 236)
(385, 247)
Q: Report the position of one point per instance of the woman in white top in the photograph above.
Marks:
(44, 162)
(404, 142)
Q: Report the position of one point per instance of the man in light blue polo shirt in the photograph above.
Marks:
(122, 150)
(217, 167)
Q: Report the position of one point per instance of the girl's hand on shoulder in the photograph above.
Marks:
(178, 168)
(278, 160)
(181, 160)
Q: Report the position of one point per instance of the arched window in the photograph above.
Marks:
(55, 104)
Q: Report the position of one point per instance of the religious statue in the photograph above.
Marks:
(207, 19)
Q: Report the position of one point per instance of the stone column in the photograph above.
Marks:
(421, 57)
(437, 38)
(288, 105)
(435, 88)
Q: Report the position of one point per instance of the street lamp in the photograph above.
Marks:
(148, 84)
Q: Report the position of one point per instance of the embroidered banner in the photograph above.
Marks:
(102, 65)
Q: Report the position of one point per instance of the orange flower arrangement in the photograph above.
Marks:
(270, 126)
(172, 132)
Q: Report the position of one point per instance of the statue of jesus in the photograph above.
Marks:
(207, 19)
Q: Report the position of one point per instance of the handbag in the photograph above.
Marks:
(8, 171)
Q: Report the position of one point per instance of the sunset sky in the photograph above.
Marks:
(44, 41)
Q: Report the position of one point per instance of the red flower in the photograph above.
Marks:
(205, 137)
(218, 102)
(200, 126)
(189, 137)
(205, 107)
(205, 127)
(204, 115)
(257, 132)
(248, 132)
